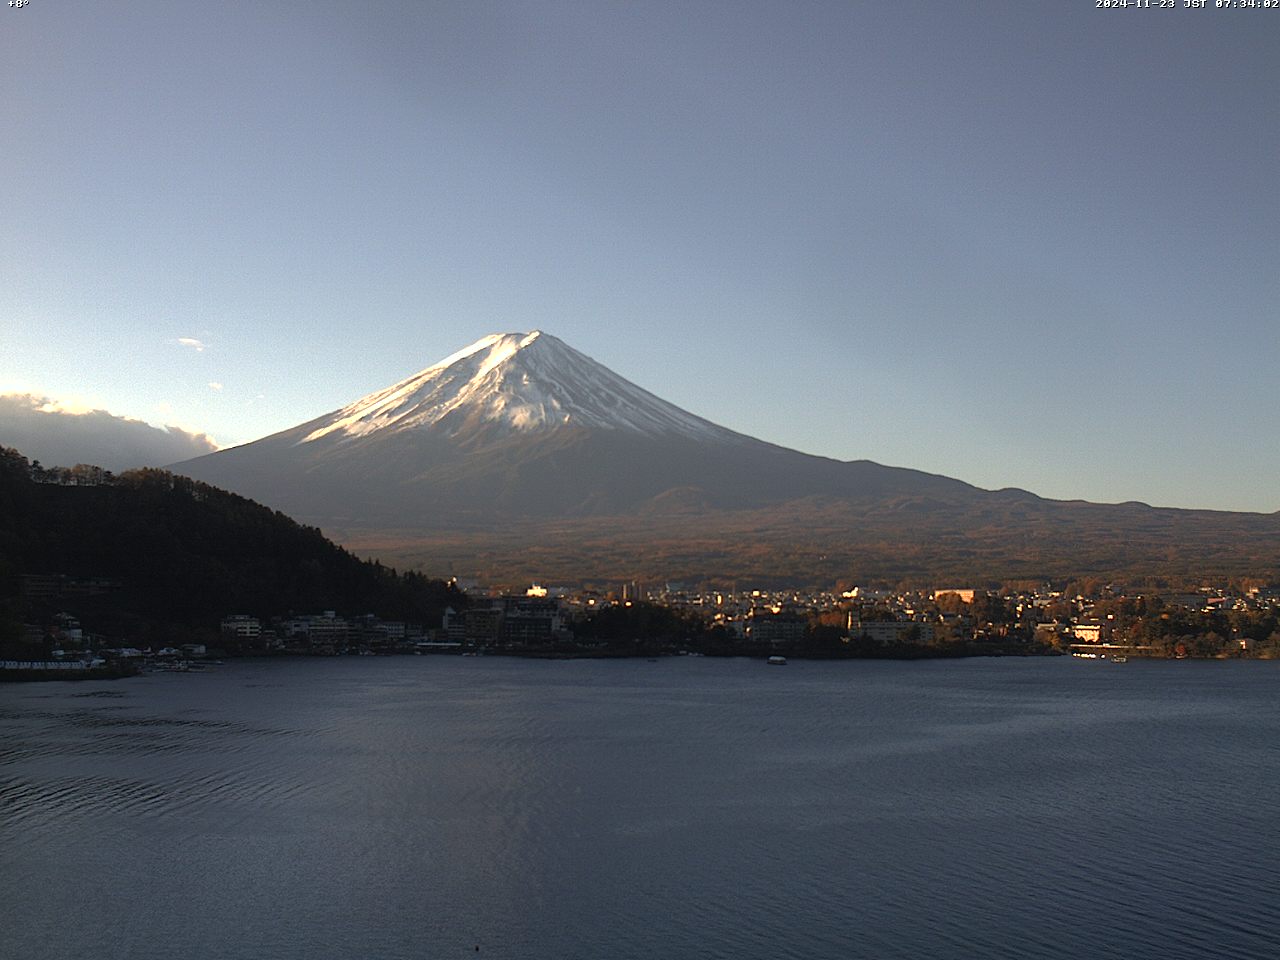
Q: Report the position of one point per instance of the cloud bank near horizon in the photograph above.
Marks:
(43, 429)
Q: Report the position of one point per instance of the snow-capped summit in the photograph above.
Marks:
(518, 454)
(521, 425)
(517, 382)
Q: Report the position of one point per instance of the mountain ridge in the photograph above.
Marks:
(181, 555)
(522, 424)
(519, 447)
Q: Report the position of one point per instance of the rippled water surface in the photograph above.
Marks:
(423, 807)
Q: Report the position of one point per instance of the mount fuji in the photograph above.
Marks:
(521, 456)
(523, 425)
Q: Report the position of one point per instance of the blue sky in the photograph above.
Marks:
(1030, 245)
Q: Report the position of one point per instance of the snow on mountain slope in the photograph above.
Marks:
(522, 425)
(519, 383)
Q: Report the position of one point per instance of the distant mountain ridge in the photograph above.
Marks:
(520, 446)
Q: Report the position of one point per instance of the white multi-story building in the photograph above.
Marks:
(241, 627)
(891, 631)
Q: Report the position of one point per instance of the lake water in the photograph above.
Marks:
(695, 807)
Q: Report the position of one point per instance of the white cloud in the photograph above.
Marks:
(214, 385)
(70, 405)
(196, 345)
(61, 434)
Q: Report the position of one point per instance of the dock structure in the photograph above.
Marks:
(1103, 651)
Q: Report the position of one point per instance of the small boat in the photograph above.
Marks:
(1120, 658)
(776, 661)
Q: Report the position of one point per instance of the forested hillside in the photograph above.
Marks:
(175, 554)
